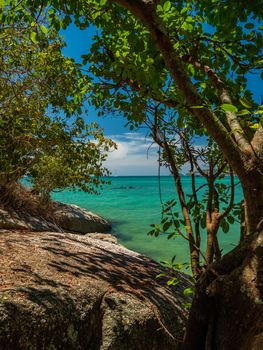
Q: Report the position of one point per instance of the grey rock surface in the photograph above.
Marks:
(66, 217)
(66, 291)
(13, 220)
(75, 219)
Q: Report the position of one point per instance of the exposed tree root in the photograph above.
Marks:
(227, 311)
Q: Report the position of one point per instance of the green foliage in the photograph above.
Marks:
(173, 265)
(42, 130)
(211, 203)
(131, 78)
(132, 71)
(172, 277)
(75, 164)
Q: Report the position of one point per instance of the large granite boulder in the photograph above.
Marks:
(75, 219)
(65, 217)
(66, 291)
(14, 220)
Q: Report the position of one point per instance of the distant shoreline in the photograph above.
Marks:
(170, 176)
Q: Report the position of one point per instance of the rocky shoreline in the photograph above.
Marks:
(65, 217)
(62, 290)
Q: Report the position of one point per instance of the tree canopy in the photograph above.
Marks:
(184, 54)
(43, 132)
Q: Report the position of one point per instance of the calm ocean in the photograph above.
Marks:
(132, 204)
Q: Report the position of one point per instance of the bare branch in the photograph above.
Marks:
(220, 169)
(232, 197)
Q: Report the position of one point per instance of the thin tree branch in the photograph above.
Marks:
(220, 169)
(232, 197)
(201, 172)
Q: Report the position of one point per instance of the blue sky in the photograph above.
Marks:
(135, 155)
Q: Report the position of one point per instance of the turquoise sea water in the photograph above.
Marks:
(132, 204)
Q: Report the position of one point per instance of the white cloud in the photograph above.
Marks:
(136, 155)
(120, 153)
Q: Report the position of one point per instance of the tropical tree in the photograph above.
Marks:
(176, 145)
(42, 130)
(203, 210)
(206, 49)
(193, 56)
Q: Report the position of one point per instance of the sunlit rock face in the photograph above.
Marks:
(66, 291)
(75, 219)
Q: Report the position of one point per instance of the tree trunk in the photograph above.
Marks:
(212, 246)
(242, 222)
(227, 311)
(252, 184)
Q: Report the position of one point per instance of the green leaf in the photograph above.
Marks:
(225, 226)
(243, 112)
(167, 6)
(259, 111)
(103, 2)
(187, 305)
(33, 37)
(188, 292)
(230, 219)
(166, 226)
(228, 108)
(197, 107)
(173, 281)
(150, 61)
(191, 69)
(171, 235)
(245, 103)
(255, 126)
(43, 29)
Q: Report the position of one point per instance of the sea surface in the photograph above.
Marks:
(133, 203)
